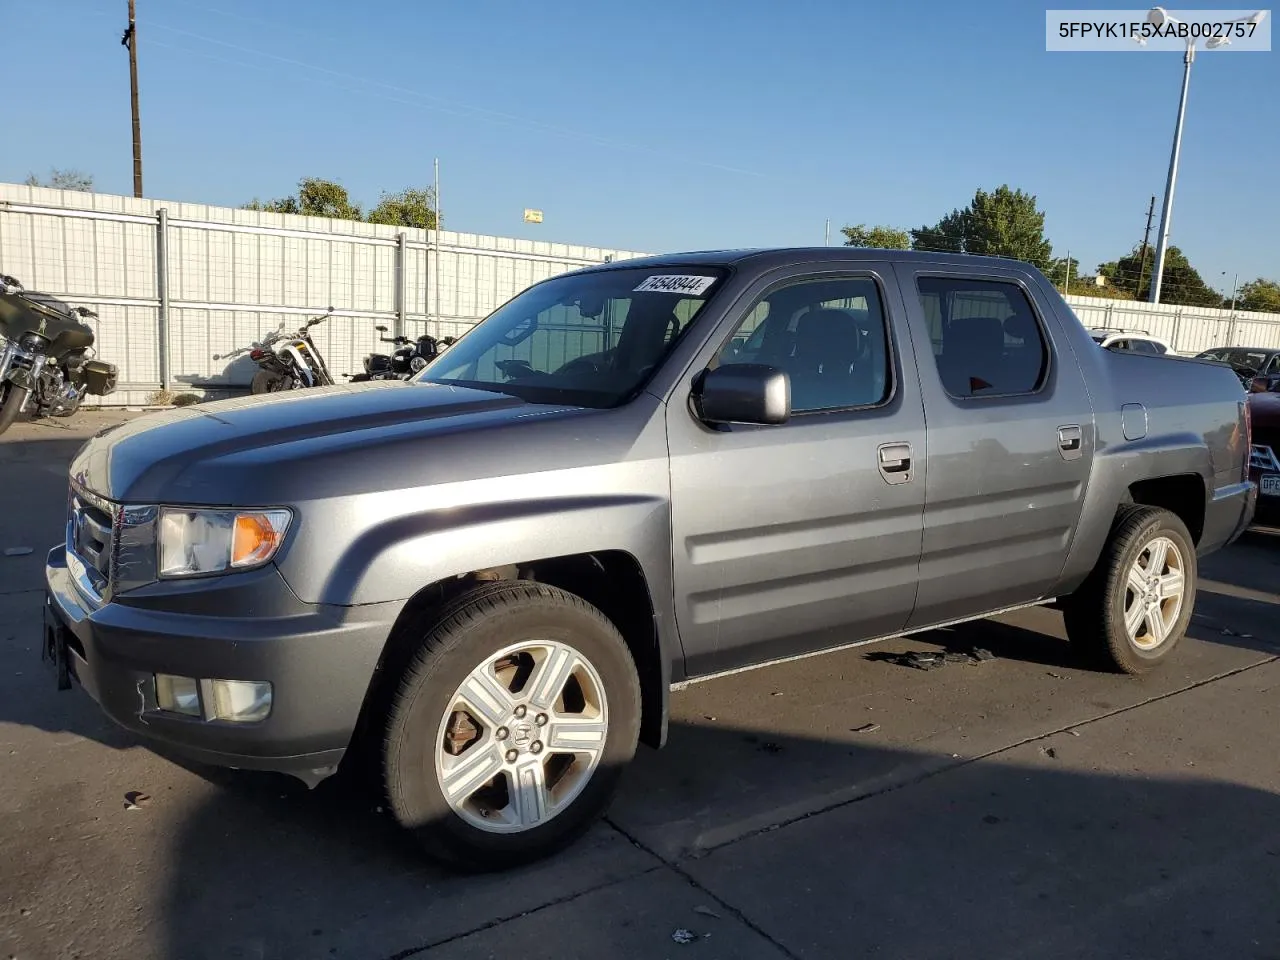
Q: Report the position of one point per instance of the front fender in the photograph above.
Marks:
(395, 558)
(21, 377)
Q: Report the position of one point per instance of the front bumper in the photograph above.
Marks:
(1267, 513)
(319, 662)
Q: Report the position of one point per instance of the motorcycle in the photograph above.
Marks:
(409, 357)
(45, 355)
(286, 361)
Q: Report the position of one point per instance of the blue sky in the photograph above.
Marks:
(654, 126)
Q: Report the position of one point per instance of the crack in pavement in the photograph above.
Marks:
(490, 924)
(730, 909)
(939, 765)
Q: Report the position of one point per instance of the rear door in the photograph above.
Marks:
(804, 535)
(1011, 440)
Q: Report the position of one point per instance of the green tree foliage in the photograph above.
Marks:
(1181, 283)
(1259, 294)
(880, 237)
(315, 198)
(63, 180)
(1002, 223)
(408, 208)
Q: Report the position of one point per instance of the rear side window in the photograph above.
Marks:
(986, 339)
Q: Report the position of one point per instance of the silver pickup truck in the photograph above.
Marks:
(625, 479)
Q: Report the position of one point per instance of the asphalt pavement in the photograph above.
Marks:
(846, 805)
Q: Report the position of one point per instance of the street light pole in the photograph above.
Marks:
(1162, 238)
(1159, 17)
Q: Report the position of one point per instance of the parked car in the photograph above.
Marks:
(1247, 362)
(630, 477)
(1137, 341)
(1264, 454)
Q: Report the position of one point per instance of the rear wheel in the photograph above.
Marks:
(13, 397)
(267, 381)
(1136, 605)
(511, 726)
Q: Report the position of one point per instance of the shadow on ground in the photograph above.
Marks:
(269, 870)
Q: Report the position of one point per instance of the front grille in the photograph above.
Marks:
(1262, 457)
(91, 538)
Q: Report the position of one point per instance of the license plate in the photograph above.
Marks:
(1270, 485)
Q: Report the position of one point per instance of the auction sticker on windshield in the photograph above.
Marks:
(672, 283)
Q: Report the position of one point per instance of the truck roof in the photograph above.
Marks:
(782, 255)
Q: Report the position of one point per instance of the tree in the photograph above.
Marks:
(1003, 223)
(408, 208)
(880, 237)
(1259, 294)
(64, 180)
(315, 198)
(1181, 283)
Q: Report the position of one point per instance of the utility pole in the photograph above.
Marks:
(439, 224)
(826, 240)
(1142, 264)
(1066, 286)
(130, 40)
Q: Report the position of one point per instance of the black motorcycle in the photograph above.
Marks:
(44, 355)
(409, 357)
(286, 361)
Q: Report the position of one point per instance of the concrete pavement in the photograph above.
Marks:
(1021, 807)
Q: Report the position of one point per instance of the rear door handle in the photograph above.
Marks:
(1070, 441)
(894, 461)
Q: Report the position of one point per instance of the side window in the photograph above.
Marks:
(986, 339)
(830, 336)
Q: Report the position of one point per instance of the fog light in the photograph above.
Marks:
(178, 694)
(243, 701)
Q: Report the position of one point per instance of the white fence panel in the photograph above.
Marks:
(235, 275)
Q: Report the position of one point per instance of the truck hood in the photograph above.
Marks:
(200, 455)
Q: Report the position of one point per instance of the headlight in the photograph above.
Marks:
(417, 363)
(194, 542)
(31, 342)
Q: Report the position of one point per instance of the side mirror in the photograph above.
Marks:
(381, 328)
(743, 393)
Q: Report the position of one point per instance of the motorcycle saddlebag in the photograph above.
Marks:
(376, 363)
(99, 377)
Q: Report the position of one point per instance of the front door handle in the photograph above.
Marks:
(1070, 442)
(894, 461)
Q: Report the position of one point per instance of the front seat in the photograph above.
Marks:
(827, 347)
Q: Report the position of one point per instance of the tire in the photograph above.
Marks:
(12, 403)
(1095, 615)
(264, 381)
(482, 828)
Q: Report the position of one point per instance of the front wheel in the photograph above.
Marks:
(1136, 605)
(14, 396)
(511, 726)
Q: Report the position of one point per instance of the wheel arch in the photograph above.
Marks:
(613, 581)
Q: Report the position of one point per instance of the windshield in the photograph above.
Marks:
(590, 339)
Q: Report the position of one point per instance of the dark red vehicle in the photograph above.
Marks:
(1264, 456)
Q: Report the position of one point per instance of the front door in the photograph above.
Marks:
(1011, 438)
(805, 535)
